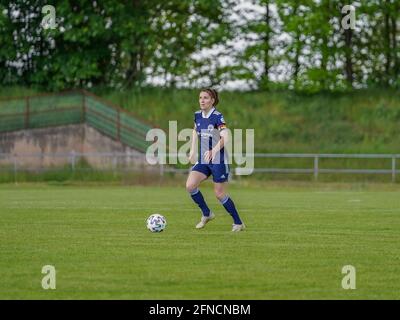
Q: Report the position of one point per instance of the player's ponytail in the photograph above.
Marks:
(213, 93)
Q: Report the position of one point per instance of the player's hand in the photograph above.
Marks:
(209, 156)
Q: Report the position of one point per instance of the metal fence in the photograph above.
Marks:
(316, 169)
(122, 162)
(73, 107)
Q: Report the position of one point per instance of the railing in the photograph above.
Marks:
(316, 170)
(43, 162)
(72, 107)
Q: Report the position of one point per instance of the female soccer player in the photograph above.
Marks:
(209, 125)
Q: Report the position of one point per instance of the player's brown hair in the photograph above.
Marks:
(213, 93)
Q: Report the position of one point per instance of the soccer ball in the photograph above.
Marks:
(156, 223)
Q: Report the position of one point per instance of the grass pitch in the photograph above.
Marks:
(296, 242)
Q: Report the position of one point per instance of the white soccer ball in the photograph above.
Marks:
(156, 223)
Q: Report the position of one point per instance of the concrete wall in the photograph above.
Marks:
(79, 138)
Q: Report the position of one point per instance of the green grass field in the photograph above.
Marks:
(297, 240)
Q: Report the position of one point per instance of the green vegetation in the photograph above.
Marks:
(292, 44)
(296, 242)
(365, 121)
(86, 174)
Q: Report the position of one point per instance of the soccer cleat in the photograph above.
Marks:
(204, 220)
(238, 227)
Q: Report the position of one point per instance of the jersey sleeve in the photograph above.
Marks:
(221, 122)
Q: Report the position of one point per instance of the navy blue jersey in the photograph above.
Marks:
(208, 129)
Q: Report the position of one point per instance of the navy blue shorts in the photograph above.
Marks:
(220, 171)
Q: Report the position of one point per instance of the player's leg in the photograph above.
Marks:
(220, 177)
(198, 174)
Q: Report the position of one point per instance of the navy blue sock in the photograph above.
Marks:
(230, 207)
(198, 198)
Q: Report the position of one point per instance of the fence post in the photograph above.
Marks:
(15, 168)
(27, 111)
(393, 169)
(73, 159)
(114, 163)
(118, 125)
(316, 168)
(83, 115)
